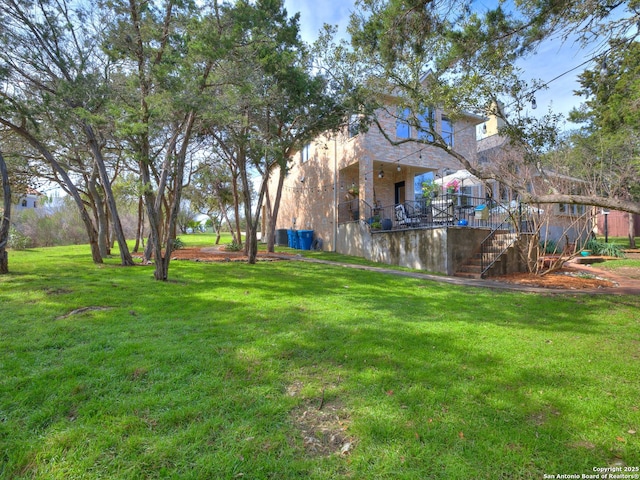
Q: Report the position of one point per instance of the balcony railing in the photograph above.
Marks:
(449, 209)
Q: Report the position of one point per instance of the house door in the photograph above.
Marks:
(400, 196)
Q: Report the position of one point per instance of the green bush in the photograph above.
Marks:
(604, 249)
(549, 246)
(233, 247)
(17, 240)
(178, 244)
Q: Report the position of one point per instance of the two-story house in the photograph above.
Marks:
(361, 195)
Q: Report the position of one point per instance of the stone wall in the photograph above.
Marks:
(440, 250)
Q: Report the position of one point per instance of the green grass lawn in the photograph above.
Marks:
(268, 371)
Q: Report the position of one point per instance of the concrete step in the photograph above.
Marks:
(467, 275)
(466, 268)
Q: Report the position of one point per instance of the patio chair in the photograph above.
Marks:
(403, 219)
(443, 212)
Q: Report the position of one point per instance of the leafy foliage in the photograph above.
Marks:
(18, 240)
(178, 244)
(605, 249)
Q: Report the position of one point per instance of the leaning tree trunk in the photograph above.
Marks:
(125, 255)
(92, 235)
(6, 217)
(140, 227)
(632, 230)
(236, 211)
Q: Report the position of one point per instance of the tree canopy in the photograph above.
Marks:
(445, 54)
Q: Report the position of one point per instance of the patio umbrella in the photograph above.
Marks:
(463, 176)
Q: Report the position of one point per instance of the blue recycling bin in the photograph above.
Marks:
(305, 239)
(292, 236)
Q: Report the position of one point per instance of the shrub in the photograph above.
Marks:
(178, 244)
(549, 246)
(17, 240)
(233, 247)
(605, 249)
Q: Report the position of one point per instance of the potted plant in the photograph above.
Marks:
(429, 189)
(453, 186)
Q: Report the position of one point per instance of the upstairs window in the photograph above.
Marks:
(419, 127)
(403, 129)
(304, 153)
(447, 131)
(427, 125)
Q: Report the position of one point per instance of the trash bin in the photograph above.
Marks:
(305, 238)
(292, 236)
(481, 212)
(282, 237)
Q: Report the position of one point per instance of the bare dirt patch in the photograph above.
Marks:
(322, 424)
(81, 310)
(323, 429)
(582, 275)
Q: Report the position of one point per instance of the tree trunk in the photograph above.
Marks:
(223, 212)
(125, 255)
(251, 240)
(273, 215)
(99, 215)
(236, 210)
(178, 180)
(140, 229)
(217, 229)
(632, 230)
(5, 221)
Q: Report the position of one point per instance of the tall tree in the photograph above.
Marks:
(274, 103)
(57, 83)
(158, 108)
(5, 220)
(607, 147)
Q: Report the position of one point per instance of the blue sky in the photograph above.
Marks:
(552, 59)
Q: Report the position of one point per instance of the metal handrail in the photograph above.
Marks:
(508, 222)
(488, 240)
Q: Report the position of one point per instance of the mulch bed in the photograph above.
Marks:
(219, 254)
(562, 279)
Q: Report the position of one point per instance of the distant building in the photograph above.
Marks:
(31, 200)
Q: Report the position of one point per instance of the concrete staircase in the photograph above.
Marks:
(490, 253)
